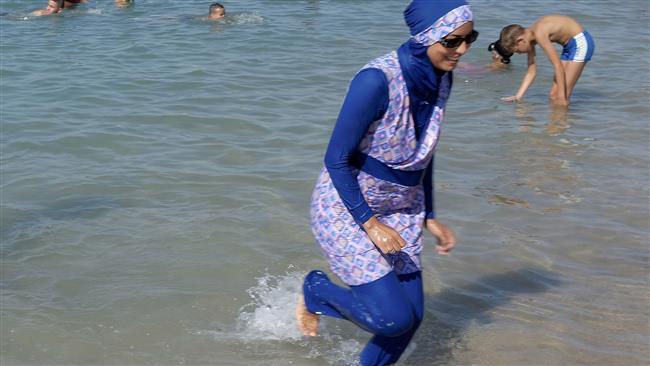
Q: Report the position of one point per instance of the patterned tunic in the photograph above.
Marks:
(392, 141)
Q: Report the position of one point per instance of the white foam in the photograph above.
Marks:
(270, 315)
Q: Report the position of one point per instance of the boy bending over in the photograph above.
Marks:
(578, 47)
(56, 6)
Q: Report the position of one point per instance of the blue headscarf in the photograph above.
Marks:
(422, 14)
(427, 26)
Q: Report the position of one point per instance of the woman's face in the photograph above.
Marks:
(446, 59)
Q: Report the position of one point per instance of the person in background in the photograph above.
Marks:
(216, 11)
(374, 196)
(123, 3)
(500, 58)
(56, 6)
(578, 48)
(498, 63)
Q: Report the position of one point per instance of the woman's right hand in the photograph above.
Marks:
(383, 236)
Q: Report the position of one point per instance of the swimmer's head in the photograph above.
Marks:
(55, 6)
(123, 3)
(217, 11)
(498, 51)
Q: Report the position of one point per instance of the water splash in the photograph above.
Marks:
(235, 19)
(245, 18)
(270, 315)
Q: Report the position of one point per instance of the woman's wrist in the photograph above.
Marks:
(370, 223)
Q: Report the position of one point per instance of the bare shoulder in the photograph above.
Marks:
(557, 27)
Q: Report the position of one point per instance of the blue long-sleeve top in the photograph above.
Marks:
(367, 101)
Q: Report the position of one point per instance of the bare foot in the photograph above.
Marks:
(307, 322)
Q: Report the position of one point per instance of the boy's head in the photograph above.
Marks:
(515, 39)
(216, 11)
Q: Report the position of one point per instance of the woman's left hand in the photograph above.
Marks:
(446, 237)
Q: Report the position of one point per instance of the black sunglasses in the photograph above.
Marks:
(457, 41)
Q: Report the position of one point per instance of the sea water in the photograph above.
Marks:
(156, 172)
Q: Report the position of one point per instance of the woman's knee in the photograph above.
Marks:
(395, 324)
(388, 309)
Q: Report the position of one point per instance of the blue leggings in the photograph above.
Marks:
(391, 308)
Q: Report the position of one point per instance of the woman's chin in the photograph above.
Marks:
(448, 65)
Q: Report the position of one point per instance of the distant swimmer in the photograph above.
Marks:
(578, 47)
(216, 11)
(56, 6)
(123, 3)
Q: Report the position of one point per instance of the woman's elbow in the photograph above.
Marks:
(335, 161)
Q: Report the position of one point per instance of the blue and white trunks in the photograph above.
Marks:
(580, 48)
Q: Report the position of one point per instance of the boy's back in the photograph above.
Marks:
(557, 28)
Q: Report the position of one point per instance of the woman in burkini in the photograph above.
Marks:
(374, 196)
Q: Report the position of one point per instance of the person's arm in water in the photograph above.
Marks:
(365, 102)
(531, 72)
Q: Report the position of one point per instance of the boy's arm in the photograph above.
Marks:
(547, 46)
(531, 72)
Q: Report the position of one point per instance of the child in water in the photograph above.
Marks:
(578, 47)
(499, 63)
(216, 11)
(56, 6)
(500, 58)
(123, 3)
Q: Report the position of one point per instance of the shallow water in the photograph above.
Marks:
(157, 169)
